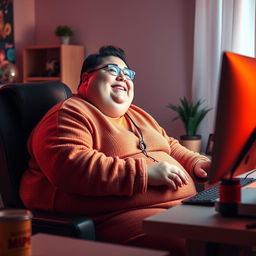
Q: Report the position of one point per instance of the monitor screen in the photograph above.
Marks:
(235, 123)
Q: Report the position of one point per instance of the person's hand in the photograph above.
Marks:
(167, 174)
(201, 168)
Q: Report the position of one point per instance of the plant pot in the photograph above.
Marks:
(191, 142)
(64, 39)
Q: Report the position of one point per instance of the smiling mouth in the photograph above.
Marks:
(119, 87)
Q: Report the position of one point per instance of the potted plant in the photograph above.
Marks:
(191, 114)
(64, 32)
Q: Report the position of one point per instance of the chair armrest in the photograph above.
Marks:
(64, 225)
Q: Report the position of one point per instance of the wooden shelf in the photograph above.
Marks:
(68, 59)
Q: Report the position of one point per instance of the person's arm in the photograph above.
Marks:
(197, 165)
(166, 174)
(63, 146)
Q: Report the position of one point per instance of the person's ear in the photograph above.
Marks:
(84, 82)
(85, 77)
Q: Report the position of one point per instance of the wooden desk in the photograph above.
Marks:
(47, 245)
(206, 230)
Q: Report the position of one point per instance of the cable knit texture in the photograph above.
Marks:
(83, 162)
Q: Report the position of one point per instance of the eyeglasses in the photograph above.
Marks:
(116, 71)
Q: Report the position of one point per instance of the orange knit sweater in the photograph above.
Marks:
(82, 162)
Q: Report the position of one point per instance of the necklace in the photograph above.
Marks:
(142, 144)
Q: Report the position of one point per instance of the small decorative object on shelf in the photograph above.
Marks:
(64, 32)
(8, 73)
(191, 115)
(53, 63)
(52, 68)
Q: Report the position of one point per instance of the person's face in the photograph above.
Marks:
(109, 93)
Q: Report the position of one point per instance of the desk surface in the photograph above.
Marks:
(43, 244)
(201, 223)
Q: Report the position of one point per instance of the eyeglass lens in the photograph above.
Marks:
(115, 70)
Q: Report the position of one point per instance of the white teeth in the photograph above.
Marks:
(119, 87)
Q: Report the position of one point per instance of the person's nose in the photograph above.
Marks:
(121, 77)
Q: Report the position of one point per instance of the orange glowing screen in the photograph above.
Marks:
(236, 113)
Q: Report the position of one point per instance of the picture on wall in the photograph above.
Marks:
(8, 71)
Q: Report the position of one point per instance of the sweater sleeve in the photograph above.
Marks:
(63, 149)
(186, 157)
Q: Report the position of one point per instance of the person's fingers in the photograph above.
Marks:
(202, 173)
(171, 184)
(201, 168)
(165, 173)
(181, 174)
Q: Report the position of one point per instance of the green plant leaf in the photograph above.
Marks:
(191, 114)
(63, 31)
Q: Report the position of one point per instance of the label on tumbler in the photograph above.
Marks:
(15, 232)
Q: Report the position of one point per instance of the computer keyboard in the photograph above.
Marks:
(210, 195)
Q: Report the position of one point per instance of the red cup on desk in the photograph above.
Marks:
(230, 191)
(229, 197)
(15, 232)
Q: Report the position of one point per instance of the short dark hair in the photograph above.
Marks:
(96, 59)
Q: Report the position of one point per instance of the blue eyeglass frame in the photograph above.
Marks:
(119, 70)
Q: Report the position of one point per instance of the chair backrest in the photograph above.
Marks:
(21, 108)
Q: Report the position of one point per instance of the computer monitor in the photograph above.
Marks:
(235, 123)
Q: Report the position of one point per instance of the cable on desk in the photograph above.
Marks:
(251, 172)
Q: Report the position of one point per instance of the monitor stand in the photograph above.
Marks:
(247, 207)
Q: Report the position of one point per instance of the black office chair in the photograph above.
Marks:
(21, 107)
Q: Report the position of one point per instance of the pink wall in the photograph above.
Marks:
(157, 36)
(24, 28)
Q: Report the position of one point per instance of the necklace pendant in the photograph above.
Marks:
(142, 145)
